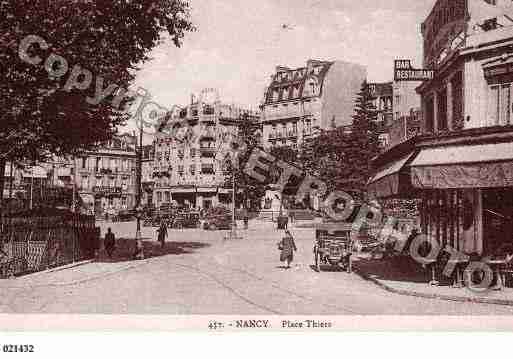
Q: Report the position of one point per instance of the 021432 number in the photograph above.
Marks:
(12, 348)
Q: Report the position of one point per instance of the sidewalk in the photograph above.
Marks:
(408, 278)
(84, 271)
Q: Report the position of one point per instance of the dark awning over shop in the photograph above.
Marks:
(464, 166)
(390, 180)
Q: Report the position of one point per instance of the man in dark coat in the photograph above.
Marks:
(110, 242)
(162, 233)
(288, 247)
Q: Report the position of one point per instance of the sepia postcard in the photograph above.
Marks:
(272, 165)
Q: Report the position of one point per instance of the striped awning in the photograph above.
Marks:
(463, 166)
(390, 180)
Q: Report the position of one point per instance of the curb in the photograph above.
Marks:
(451, 298)
(78, 281)
(57, 269)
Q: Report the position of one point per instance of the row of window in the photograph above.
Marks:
(294, 91)
(111, 203)
(442, 107)
(291, 129)
(114, 164)
(384, 103)
(498, 109)
(90, 182)
(295, 74)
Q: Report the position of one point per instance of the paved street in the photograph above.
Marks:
(205, 274)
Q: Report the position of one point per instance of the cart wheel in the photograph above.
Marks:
(349, 265)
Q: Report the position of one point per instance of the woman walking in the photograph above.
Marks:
(287, 247)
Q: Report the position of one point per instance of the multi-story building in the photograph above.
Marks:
(382, 98)
(190, 162)
(406, 98)
(405, 127)
(462, 167)
(299, 102)
(105, 177)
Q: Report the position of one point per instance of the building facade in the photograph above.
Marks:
(406, 98)
(382, 98)
(106, 177)
(190, 159)
(299, 102)
(405, 127)
(103, 178)
(462, 166)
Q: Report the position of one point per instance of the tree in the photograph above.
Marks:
(364, 135)
(248, 137)
(72, 96)
(342, 157)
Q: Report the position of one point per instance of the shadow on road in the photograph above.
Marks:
(327, 268)
(126, 247)
(398, 269)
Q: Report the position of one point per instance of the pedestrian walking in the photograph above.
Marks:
(287, 246)
(246, 218)
(162, 233)
(110, 242)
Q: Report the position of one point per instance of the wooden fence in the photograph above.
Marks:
(31, 244)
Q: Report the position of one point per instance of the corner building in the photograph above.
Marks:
(462, 165)
(190, 159)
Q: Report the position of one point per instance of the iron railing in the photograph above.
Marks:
(32, 244)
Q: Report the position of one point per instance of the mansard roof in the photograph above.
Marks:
(287, 78)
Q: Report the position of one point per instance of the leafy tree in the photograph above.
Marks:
(248, 137)
(342, 156)
(364, 135)
(44, 113)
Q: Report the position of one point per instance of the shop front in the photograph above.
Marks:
(108, 201)
(465, 182)
(184, 196)
(207, 197)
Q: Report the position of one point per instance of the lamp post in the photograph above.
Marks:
(233, 231)
(138, 209)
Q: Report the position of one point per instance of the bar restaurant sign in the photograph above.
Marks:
(404, 71)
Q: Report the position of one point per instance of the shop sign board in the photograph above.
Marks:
(404, 71)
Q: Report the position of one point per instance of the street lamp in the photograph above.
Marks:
(233, 231)
(139, 254)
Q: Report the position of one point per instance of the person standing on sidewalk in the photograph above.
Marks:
(110, 242)
(246, 218)
(287, 247)
(162, 233)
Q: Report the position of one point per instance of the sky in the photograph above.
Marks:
(238, 44)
